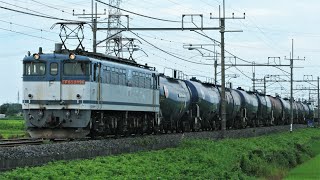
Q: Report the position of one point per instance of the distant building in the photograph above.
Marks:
(2, 116)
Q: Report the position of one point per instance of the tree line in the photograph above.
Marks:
(11, 109)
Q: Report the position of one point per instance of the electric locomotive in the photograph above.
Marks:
(71, 96)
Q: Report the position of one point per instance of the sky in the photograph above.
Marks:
(268, 28)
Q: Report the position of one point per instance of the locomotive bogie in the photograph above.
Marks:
(45, 123)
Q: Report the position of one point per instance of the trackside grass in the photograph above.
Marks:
(308, 170)
(261, 157)
(12, 129)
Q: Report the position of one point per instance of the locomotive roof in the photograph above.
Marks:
(87, 56)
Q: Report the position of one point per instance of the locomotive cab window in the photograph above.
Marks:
(54, 69)
(34, 69)
(76, 68)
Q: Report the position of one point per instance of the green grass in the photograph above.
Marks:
(12, 128)
(308, 170)
(267, 157)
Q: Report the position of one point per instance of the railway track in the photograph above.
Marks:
(20, 142)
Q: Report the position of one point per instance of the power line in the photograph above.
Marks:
(23, 8)
(180, 64)
(42, 30)
(27, 26)
(168, 52)
(50, 7)
(27, 34)
(32, 14)
(150, 17)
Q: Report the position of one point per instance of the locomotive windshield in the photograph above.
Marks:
(76, 68)
(34, 68)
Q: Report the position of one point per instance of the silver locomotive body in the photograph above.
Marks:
(70, 98)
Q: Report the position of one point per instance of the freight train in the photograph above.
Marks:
(74, 94)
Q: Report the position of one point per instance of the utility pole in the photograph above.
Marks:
(94, 16)
(264, 85)
(223, 78)
(215, 67)
(253, 77)
(291, 85)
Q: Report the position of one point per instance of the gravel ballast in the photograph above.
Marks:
(35, 155)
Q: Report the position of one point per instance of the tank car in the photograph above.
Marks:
(277, 110)
(233, 109)
(285, 111)
(174, 103)
(311, 113)
(249, 107)
(301, 112)
(205, 103)
(264, 115)
(295, 112)
(70, 96)
(306, 112)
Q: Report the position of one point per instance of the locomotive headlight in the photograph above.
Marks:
(72, 56)
(30, 96)
(36, 56)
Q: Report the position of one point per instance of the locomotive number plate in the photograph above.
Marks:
(73, 81)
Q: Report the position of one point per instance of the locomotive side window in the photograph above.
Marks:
(122, 77)
(114, 74)
(34, 69)
(76, 68)
(108, 75)
(94, 72)
(141, 80)
(54, 69)
(148, 81)
(135, 79)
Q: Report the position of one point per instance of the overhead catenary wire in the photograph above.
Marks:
(42, 30)
(131, 12)
(37, 15)
(168, 52)
(26, 34)
(52, 7)
(9, 22)
(30, 35)
(22, 7)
